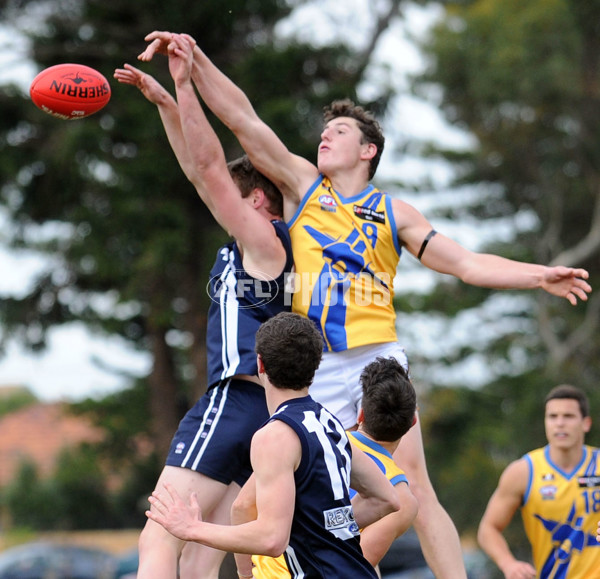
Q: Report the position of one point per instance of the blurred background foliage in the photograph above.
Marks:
(131, 244)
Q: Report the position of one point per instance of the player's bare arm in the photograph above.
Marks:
(167, 108)
(291, 173)
(274, 456)
(501, 508)
(444, 255)
(263, 253)
(376, 496)
(376, 539)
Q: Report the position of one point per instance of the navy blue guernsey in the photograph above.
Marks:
(240, 303)
(324, 540)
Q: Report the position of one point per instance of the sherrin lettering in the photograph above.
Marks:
(70, 91)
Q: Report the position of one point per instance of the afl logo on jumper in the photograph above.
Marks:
(328, 203)
(548, 492)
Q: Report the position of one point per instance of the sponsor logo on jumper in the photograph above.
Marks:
(369, 214)
(339, 518)
(589, 481)
(180, 448)
(548, 476)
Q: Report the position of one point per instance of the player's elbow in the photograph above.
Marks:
(275, 543)
(483, 533)
(391, 504)
(410, 509)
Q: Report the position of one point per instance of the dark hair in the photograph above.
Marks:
(368, 125)
(247, 178)
(290, 347)
(389, 400)
(568, 392)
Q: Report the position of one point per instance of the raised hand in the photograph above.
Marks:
(146, 83)
(158, 44)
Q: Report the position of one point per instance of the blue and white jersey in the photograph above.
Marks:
(240, 303)
(324, 540)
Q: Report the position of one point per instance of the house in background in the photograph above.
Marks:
(37, 433)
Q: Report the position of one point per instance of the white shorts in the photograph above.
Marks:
(337, 380)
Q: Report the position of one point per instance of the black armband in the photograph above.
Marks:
(425, 242)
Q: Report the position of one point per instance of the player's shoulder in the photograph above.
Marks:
(405, 214)
(516, 474)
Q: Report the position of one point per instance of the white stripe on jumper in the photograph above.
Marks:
(229, 309)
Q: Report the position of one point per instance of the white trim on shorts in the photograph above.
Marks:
(337, 381)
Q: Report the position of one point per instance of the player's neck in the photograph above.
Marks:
(276, 396)
(348, 183)
(566, 458)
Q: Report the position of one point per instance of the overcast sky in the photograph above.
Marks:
(68, 369)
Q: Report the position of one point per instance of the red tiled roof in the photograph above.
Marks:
(38, 433)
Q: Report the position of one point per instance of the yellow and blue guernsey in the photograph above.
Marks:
(276, 567)
(560, 513)
(382, 457)
(346, 252)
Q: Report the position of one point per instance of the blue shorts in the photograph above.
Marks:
(214, 436)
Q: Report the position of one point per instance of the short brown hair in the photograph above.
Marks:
(247, 178)
(568, 392)
(389, 400)
(290, 347)
(368, 125)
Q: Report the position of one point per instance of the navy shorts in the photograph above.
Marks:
(214, 436)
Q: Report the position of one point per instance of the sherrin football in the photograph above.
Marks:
(70, 91)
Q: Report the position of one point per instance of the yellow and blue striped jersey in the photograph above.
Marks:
(346, 252)
(560, 512)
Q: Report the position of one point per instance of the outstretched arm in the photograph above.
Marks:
(201, 157)
(291, 173)
(167, 108)
(500, 510)
(262, 249)
(443, 255)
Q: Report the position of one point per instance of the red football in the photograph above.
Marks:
(70, 91)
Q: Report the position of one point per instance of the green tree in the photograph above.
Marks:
(33, 503)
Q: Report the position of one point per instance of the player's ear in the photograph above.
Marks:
(361, 417)
(414, 420)
(587, 423)
(369, 151)
(260, 364)
(258, 197)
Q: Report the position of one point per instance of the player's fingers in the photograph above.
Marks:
(133, 69)
(157, 34)
(580, 293)
(156, 501)
(171, 491)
